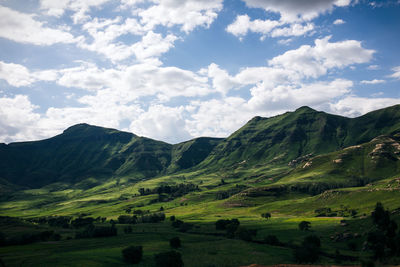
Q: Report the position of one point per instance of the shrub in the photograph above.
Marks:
(304, 226)
(133, 254)
(172, 218)
(126, 219)
(175, 242)
(169, 259)
(266, 215)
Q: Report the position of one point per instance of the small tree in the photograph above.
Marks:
(266, 215)
(133, 254)
(304, 226)
(175, 242)
(168, 259)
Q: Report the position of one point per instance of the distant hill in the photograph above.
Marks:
(84, 151)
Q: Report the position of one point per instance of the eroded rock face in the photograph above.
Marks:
(385, 148)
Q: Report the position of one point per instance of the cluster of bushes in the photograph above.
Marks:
(97, 231)
(228, 193)
(172, 190)
(134, 255)
(327, 212)
(383, 239)
(28, 238)
(146, 218)
(181, 225)
(234, 230)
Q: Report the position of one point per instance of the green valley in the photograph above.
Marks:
(96, 191)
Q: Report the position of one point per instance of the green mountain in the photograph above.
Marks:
(84, 151)
(284, 138)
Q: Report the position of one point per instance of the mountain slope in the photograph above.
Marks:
(84, 151)
(286, 137)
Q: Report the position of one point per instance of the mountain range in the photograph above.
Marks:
(84, 151)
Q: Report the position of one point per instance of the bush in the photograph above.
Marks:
(126, 219)
(133, 254)
(175, 242)
(172, 218)
(304, 226)
(222, 224)
(169, 259)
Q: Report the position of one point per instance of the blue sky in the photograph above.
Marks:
(178, 69)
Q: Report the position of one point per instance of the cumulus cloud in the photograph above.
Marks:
(353, 106)
(186, 13)
(396, 72)
(18, 119)
(293, 30)
(297, 10)
(23, 28)
(374, 81)
(18, 75)
(294, 17)
(339, 22)
(79, 7)
(162, 122)
(315, 61)
(243, 24)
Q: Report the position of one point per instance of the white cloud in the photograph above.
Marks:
(374, 81)
(217, 118)
(23, 28)
(297, 10)
(339, 22)
(373, 67)
(15, 74)
(18, 120)
(315, 61)
(293, 30)
(18, 75)
(187, 13)
(242, 25)
(396, 72)
(79, 7)
(353, 106)
(292, 96)
(162, 122)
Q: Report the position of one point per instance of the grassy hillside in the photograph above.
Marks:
(299, 166)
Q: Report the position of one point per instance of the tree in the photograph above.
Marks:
(304, 226)
(266, 215)
(380, 216)
(168, 259)
(133, 254)
(175, 242)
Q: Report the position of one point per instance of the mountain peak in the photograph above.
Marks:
(305, 109)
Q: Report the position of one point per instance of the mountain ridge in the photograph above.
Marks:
(83, 151)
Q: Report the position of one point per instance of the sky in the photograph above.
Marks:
(173, 70)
